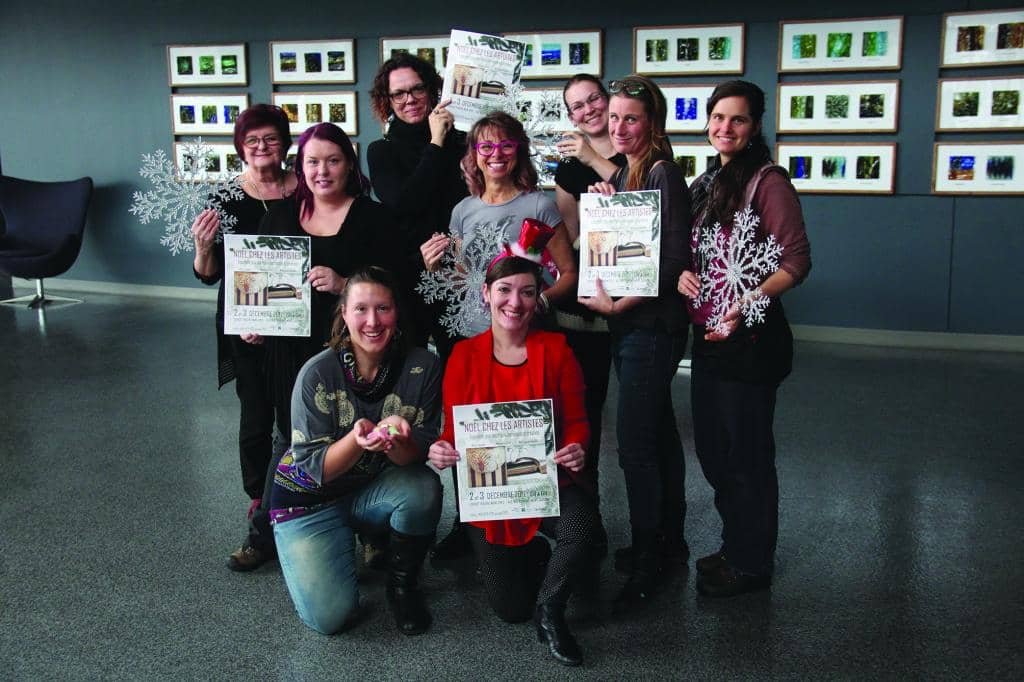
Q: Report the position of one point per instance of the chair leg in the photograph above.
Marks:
(40, 299)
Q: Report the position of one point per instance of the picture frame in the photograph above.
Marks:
(839, 167)
(206, 114)
(222, 162)
(982, 38)
(980, 104)
(688, 49)
(561, 54)
(201, 65)
(687, 107)
(838, 107)
(429, 48)
(313, 61)
(305, 109)
(862, 44)
(990, 167)
(552, 107)
(694, 159)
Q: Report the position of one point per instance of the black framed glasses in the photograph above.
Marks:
(594, 98)
(270, 140)
(506, 147)
(402, 96)
(631, 88)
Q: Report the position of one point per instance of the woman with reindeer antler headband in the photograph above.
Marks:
(511, 361)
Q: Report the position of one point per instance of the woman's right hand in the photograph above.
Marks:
(605, 188)
(576, 145)
(689, 284)
(433, 250)
(442, 454)
(204, 230)
(254, 339)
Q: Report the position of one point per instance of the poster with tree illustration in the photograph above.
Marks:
(507, 466)
(620, 242)
(480, 71)
(265, 287)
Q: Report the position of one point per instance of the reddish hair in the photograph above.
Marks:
(355, 185)
(380, 93)
(261, 116)
(506, 128)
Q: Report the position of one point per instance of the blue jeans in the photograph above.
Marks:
(650, 450)
(317, 551)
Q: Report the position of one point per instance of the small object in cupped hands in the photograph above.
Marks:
(383, 432)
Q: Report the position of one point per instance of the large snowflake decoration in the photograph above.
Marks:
(540, 116)
(178, 197)
(460, 279)
(735, 264)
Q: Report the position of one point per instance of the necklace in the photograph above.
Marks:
(259, 195)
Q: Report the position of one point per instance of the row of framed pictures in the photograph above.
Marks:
(215, 113)
(308, 61)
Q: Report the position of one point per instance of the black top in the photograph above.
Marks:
(574, 176)
(248, 211)
(419, 181)
(367, 237)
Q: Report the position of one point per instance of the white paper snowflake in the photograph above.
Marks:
(735, 264)
(541, 122)
(178, 197)
(460, 279)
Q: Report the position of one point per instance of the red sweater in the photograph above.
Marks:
(551, 371)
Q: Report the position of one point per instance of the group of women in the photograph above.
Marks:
(358, 420)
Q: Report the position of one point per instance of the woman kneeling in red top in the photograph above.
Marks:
(513, 362)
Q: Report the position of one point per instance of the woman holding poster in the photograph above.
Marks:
(648, 341)
(364, 412)
(511, 362)
(262, 140)
(739, 363)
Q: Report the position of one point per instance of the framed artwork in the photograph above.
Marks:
(869, 44)
(198, 65)
(694, 159)
(433, 49)
(980, 104)
(686, 50)
(687, 107)
(212, 114)
(838, 107)
(560, 54)
(983, 38)
(221, 162)
(839, 167)
(978, 168)
(305, 109)
(545, 160)
(313, 61)
(547, 104)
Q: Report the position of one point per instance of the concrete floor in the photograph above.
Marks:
(899, 549)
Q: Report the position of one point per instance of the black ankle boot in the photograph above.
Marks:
(644, 574)
(405, 558)
(454, 546)
(553, 631)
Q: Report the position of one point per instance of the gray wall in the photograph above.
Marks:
(83, 91)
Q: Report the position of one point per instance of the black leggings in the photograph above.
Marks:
(512, 580)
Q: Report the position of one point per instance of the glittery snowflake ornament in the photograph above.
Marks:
(460, 279)
(178, 197)
(734, 265)
(540, 119)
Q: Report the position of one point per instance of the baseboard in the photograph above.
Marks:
(83, 286)
(802, 332)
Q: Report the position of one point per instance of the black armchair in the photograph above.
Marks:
(44, 226)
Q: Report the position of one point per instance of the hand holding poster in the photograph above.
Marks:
(265, 287)
(620, 242)
(480, 71)
(507, 468)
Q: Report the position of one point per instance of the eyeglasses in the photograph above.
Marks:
(631, 88)
(270, 140)
(402, 96)
(594, 98)
(488, 148)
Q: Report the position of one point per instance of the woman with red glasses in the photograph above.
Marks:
(503, 191)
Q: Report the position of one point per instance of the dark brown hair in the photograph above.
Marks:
(582, 78)
(371, 274)
(513, 265)
(656, 109)
(380, 97)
